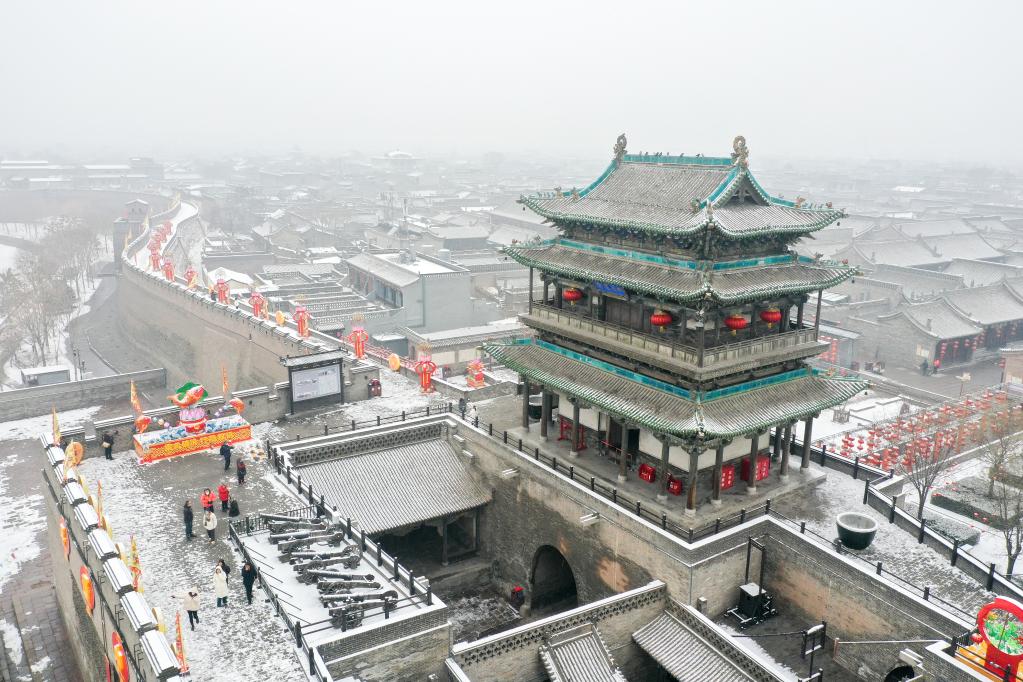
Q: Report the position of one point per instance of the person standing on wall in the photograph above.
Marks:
(225, 496)
(210, 524)
(189, 516)
(248, 579)
(242, 470)
(225, 452)
(108, 445)
(220, 586)
(190, 600)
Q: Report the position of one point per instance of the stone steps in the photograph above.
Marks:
(16, 670)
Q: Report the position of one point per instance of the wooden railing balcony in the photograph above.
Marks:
(670, 353)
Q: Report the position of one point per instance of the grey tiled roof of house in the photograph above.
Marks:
(684, 654)
(579, 655)
(988, 305)
(938, 318)
(976, 273)
(737, 413)
(373, 488)
(389, 272)
(734, 285)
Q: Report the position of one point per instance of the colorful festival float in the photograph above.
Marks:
(195, 431)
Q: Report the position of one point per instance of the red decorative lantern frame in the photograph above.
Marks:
(1001, 626)
(258, 303)
(571, 295)
(425, 367)
(120, 657)
(168, 269)
(222, 290)
(358, 339)
(88, 589)
(65, 539)
(302, 320)
(661, 319)
(191, 277)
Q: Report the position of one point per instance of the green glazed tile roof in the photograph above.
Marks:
(724, 413)
(679, 195)
(683, 281)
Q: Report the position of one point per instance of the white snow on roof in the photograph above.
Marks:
(419, 266)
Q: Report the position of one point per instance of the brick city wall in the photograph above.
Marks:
(29, 402)
(408, 650)
(512, 655)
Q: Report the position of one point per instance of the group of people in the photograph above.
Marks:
(190, 597)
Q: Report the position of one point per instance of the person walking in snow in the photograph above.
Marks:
(189, 516)
(248, 579)
(242, 470)
(224, 567)
(472, 414)
(190, 600)
(225, 496)
(209, 522)
(225, 452)
(220, 586)
(206, 499)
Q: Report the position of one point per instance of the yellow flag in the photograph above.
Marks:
(56, 428)
(223, 380)
(135, 404)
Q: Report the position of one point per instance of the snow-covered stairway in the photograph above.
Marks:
(579, 654)
(14, 665)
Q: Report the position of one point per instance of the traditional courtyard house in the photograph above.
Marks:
(867, 255)
(917, 283)
(972, 246)
(978, 273)
(998, 308)
(672, 322)
(916, 333)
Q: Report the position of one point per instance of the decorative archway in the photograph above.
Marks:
(899, 674)
(552, 583)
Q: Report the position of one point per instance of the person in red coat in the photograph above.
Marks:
(225, 496)
(206, 499)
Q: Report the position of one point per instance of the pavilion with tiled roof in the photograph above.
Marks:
(671, 329)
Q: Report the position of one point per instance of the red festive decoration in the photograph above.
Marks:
(425, 367)
(154, 260)
(120, 657)
(571, 295)
(302, 320)
(168, 269)
(223, 290)
(771, 316)
(358, 339)
(660, 319)
(142, 423)
(258, 303)
(88, 589)
(647, 473)
(191, 277)
(1000, 624)
(736, 323)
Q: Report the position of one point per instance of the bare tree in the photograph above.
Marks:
(924, 461)
(1001, 446)
(1009, 505)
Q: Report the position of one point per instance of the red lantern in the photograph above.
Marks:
(572, 295)
(154, 260)
(302, 320)
(358, 339)
(88, 589)
(168, 269)
(120, 657)
(660, 319)
(736, 323)
(771, 316)
(222, 291)
(191, 277)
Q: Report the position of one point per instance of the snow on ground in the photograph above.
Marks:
(12, 641)
(240, 642)
(32, 427)
(40, 665)
(896, 548)
(399, 393)
(863, 412)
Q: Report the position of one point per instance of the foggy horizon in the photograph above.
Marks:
(802, 80)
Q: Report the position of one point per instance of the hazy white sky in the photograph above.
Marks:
(927, 80)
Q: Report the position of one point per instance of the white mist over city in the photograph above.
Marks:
(530, 342)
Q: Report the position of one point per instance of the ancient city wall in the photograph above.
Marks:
(28, 402)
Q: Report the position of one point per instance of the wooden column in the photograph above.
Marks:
(786, 311)
(576, 428)
(754, 448)
(623, 454)
(444, 542)
(476, 530)
(531, 289)
(719, 460)
(546, 291)
(525, 402)
(662, 472)
(786, 446)
(545, 413)
(559, 301)
(807, 441)
(776, 446)
(799, 313)
(753, 319)
(692, 475)
(817, 319)
(701, 341)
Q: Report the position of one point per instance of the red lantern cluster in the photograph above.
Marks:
(660, 319)
(571, 295)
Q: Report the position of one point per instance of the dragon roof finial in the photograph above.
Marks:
(619, 148)
(740, 152)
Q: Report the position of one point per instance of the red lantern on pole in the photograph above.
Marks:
(222, 291)
(736, 323)
(358, 339)
(168, 269)
(571, 295)
(191, 277)
(660, 319)
(258, 303)
(771, 316)
(302, 320)
(425, 367)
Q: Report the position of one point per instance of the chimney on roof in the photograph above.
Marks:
(928, 324)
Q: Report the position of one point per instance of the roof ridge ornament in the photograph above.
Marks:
(619, 148)
(740, 152)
